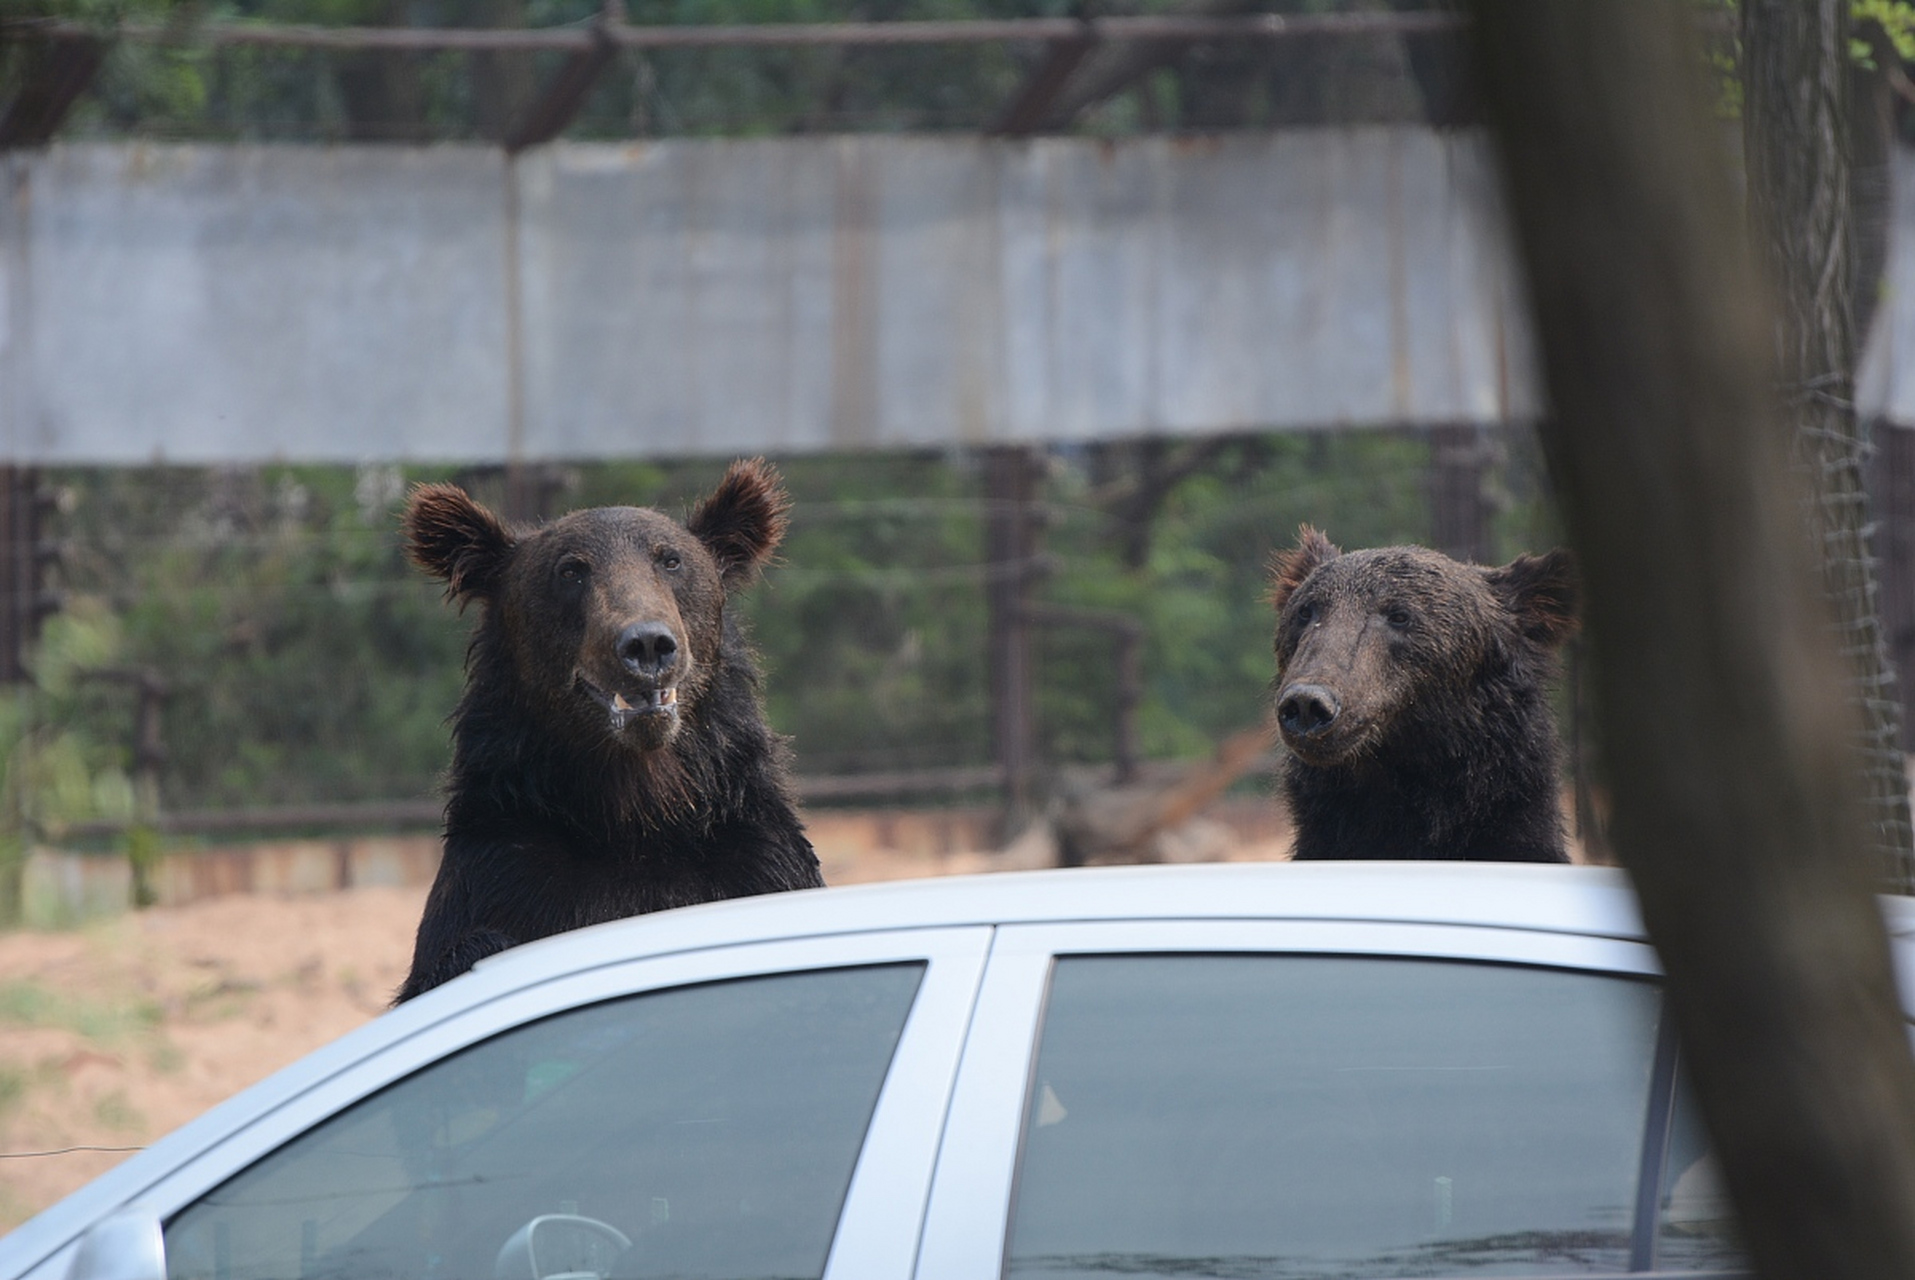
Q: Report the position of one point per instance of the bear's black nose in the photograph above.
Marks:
(647, 648)
(1305, 709)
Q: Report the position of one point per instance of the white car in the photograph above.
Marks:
(1329, 1070)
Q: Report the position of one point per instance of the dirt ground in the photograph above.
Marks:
(115, 1034)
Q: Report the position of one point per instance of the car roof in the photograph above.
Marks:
(1548, 898)
(1591, 901)
(1581, 900)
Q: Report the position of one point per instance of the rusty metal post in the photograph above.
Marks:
(1011, 535)
(25, 599)
(142, 835)
(1127, 690)
(149, 741)
(1459, 513)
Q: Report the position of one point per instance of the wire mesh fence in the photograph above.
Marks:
(522, 71)
(253, 642)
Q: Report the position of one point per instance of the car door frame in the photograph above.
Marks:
(877, 1229)
(967, 1219)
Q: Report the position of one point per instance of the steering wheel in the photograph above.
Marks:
(561, 1246)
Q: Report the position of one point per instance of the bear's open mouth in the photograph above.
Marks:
(660, 701)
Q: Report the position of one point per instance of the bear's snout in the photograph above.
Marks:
(648, 650)
(640, 670)
(1306, 710)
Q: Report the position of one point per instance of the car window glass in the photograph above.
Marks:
(704, 1131)
(1696, 1229)
(1278, 1116)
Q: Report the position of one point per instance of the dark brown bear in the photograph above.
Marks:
(1411, 692)
(610, 754)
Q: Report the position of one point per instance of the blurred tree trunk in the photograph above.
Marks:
(1796, 140)
(1729, 739)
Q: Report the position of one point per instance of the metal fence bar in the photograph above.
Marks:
(429, 813)
(1265, 26)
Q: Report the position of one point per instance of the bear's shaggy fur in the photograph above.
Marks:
(610, 753)
(1411, 693)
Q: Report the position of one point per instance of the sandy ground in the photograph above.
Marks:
(113, 1035)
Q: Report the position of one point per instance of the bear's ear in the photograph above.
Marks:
(743, 521)
(1541, 592)
(452, 537)
(1288, 569)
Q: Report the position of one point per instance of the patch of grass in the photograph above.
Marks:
(29, 1004)
(117, 1114)
(226, 998)
(13, 1210)
(164, 1056)
(13, 1086)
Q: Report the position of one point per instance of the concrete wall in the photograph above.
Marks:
(235, 303)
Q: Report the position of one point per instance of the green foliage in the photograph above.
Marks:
(13, 1086)
(57, 767)
(188, 90)
(1202, 592)
(118, 1113)
(872, 629)
(1895, 19)
(306, 662)
(32, 1004)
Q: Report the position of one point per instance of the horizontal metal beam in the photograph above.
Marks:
(579, 39)
(431, 813)
(329, 817)
(951, 781)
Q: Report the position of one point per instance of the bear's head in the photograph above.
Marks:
(1368, 638)
(612, 618)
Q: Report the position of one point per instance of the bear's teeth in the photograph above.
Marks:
(619, 703)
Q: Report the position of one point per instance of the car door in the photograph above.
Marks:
(761, 1109)
(1312, 1098)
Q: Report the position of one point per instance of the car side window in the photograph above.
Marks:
(704, 1131)
(1696, 1228)
(1290, 1115)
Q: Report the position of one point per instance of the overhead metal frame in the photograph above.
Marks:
(580, 38)
(75, 51)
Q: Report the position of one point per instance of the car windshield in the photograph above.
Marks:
(1330, 1117)
(704, 1131)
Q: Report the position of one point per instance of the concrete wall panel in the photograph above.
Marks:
(201, 304)
(197, 304)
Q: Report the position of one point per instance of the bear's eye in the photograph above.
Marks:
(1306, 614)
(1399, 618)
(669, 561)
(574, 570)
